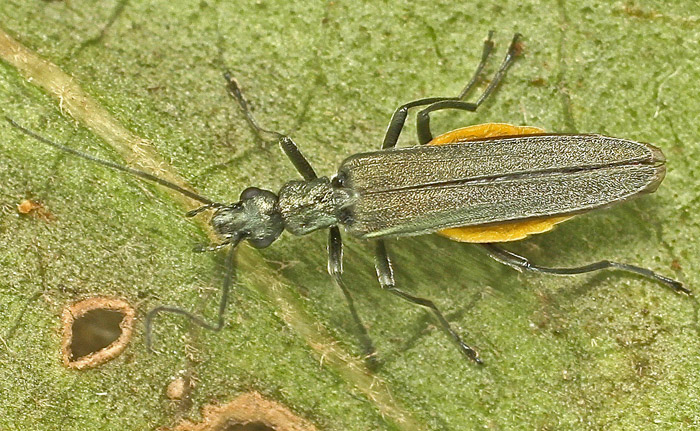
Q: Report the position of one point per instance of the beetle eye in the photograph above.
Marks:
(338, 180)
(250, 192)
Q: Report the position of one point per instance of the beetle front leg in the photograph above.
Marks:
(197, 320)
(386, 279)
(289, 147)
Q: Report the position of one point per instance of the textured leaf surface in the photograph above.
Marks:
(606, 351)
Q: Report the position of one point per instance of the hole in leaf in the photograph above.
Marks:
(247, 412)
(251, 426)
(94, 331)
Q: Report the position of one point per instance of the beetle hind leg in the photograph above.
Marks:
(423, 117)
(386, 279)
(398, 119)
(521, 263)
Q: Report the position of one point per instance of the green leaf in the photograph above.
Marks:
(140, 82)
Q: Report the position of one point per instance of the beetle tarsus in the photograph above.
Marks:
(471, 353)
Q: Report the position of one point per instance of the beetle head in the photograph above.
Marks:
(254, 218)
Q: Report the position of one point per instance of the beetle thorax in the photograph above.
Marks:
(306, 206)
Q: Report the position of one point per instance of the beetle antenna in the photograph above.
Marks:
(132, 171)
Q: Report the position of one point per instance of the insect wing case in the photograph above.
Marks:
(423, 189)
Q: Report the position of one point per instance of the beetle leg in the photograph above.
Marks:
(288, 146)
(223, 302)
(521, 263)
(335, 269)
(423, 117)
(386, 279)
(201, 248)
(399, 118)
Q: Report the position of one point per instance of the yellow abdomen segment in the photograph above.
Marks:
(501, 232)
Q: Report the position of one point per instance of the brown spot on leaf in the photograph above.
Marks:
(30, 207)
(177, 389)
(248, 412)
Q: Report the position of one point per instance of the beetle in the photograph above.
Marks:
(484, 184)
